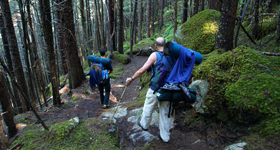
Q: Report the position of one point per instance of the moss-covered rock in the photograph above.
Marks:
(144, 44)
(123, 58)
(244, 84)
(198, 33)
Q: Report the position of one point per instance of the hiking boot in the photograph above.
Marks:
(161, 138)
(138, 122)
(107, 105)
(104, 106)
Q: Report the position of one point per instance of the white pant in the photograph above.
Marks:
(164, 122)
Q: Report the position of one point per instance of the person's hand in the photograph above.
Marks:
(128, 81)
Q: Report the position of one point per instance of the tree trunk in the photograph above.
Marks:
(121, 29)
(35, 56)
(75, 70)
(215, 4)
(195, 7)
(278, 28)
(140, 18)
(48, 35)
(112, 25)
(201, 5)
(5, 8)
(268, 8)
(26, 42)
(148, 20)
(4, 144)
(175, 17)
(132, 28)
(185, 11)
(16, 101)
(255, 29)
(161, 13)
(224, 38)
(97, 30)
(6, 109)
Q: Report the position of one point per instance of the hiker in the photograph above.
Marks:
(104, 100)
(151, 101)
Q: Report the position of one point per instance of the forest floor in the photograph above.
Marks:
(190, 132)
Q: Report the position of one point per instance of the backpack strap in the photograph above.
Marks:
(101, 63)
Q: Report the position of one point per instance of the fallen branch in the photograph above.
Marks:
(17, 145)
(270, 54)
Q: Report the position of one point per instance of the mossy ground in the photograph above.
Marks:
(88, 134)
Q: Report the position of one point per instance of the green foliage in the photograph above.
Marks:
(126, 46)
(143, 44)
(243, 84)
(74, 99)
(271, 126)
(201, 28)
(267, 26)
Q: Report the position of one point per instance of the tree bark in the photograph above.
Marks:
(16, 101)
(278, 28)
(175, 17)
(132, 28)
(140, 18)
(148, 19)
(215, 4)
(112, 25)
(17, 65)
(6, 109)
(268, 8)
(195, 7)
(121, 29)
(255, 29)
(48, 35)
(4, 144)
(201, 5)
(97, 30)
(75, 70)
(26, 42)
(224, 38)
(161, 13)
(185, 11)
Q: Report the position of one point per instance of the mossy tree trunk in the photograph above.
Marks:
(185, 11)
(225, 34)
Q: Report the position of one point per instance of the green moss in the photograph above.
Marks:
(270, 126)
(198, 33)
(117, 73)
(89, 134)
(267, 26)
(74, 99)
(244, 84)
(126, 46)
(123, 58)
(144, 44)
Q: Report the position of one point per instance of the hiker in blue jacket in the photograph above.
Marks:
(104, 100)
(151, 101)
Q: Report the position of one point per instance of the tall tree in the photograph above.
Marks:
(13, 47)
(97, 30)
(224, 38)
(6, 109)
(112, 25)
(175, 17)
(48, 36)
(133, 26)
(148, 19)
(75, 70)
(26, 42)
(34, 55)
(278, 28)
(16, 101)
(195, 7)
(89, 27)
(121, 29)
(161, 13)
(4, 144)
(185, 11)
(255, 29)
(140, 19)
(201, 5)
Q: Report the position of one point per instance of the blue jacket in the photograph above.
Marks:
(182, 70)
(93, 80)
